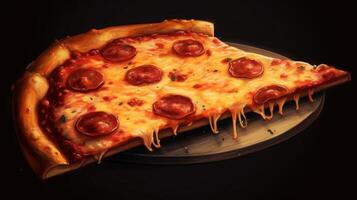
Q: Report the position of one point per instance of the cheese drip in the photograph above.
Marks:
(151, 138)
(271, 110)
(281, 103)
(234, 123)
(213, 122)
(174, 129)
(100, 156)
(156, 140)
(243, 123)
(310, 93)
(296, 99)
(148, 139)
(261, 109)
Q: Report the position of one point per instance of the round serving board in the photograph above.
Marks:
(201, 145)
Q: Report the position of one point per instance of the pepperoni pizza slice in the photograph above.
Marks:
(105, 91)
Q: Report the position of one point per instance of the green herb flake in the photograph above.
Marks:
(63, 119)
(270, 131)
(173, 78)
(227, 59)
(204, 107)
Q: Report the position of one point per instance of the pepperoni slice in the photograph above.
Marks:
(189, 47)
(118, 52)
(97, 124)
(84, 80)
(270, 92)
(144, 75)
(174, 106)
(245, 68)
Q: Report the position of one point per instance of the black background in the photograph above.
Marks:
(316, 163)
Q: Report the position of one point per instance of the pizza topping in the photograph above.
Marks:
(326, 72)
(174, 106)
(283, 76)
(245, 68)
(118, 52)
(109, 98)
(176, 76)
(301, 68)
(322, 68)
(270, 92)
(189, 48)
(83, 80)
(144, 75)
(160, 45)
(94, 52)
(276, 61)
(97, 124)
(45, 103)
(135, 102)
(226, 60)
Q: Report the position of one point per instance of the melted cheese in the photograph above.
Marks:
(310, 93)
(296, 99)
(217, 91)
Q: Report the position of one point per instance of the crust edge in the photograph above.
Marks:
(38, 148)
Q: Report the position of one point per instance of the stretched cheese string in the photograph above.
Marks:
(215, 120)
(148, 139)
(281, 103)
(174, 129)
(271, 109)
(243, 123)
(296, 99)
(234, 123)
(100, 156)
(260, 110)
(210, 122)
(310, 93)
(156, 140)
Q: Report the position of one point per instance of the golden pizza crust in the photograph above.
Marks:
(41, 152)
